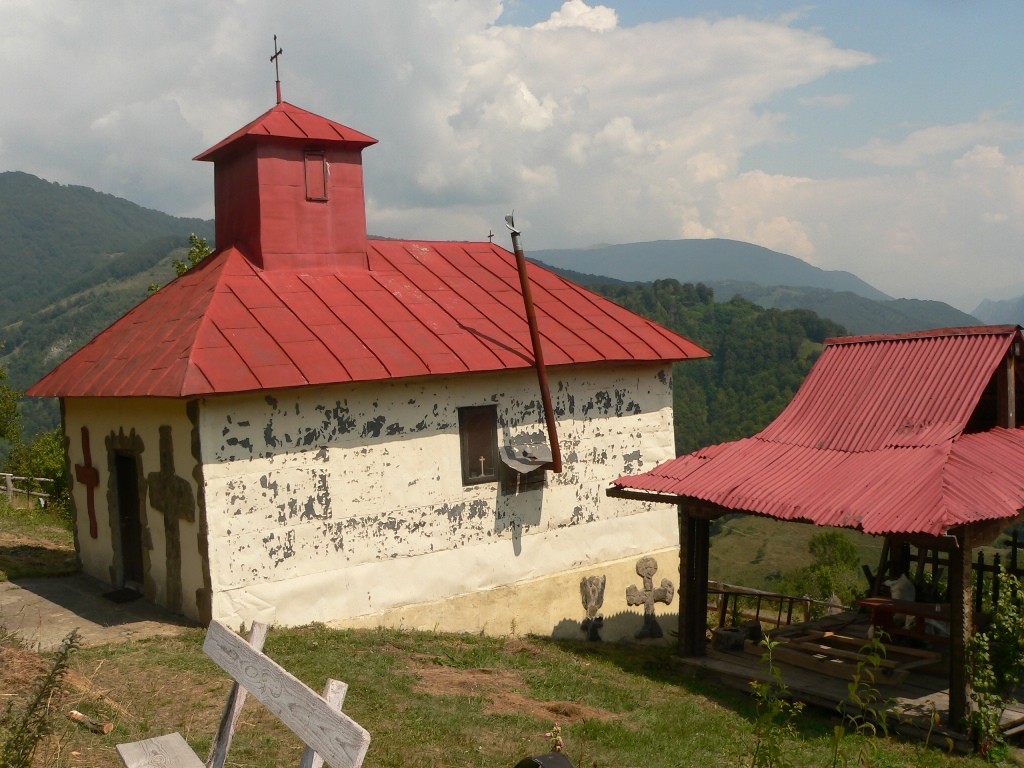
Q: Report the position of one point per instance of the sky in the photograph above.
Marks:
(882, 138)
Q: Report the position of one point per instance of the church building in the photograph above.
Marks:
(315, 425)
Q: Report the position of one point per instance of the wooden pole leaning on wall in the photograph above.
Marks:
(538, 350)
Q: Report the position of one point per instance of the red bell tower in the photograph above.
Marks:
(288, 190)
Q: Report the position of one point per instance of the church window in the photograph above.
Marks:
(478, 433)
(317, 173)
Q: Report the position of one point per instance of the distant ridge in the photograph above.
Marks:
(1008, 311)
(706, 261)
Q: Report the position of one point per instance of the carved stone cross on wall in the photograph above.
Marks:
(646, 567)
(88, 476)
(172, 496)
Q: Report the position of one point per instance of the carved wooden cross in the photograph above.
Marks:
(88, 476)
(646, 567)
(172, 496)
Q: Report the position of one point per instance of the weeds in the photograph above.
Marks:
(995, 664)
(22, 732)
(775, 715)
(864, 712)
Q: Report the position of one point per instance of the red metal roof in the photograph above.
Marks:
(420, 309)
(286, 121)
(874, 439)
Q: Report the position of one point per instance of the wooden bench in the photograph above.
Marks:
(329, 735)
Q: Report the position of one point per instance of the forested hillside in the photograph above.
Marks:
(760, 357)
(55, 235)
(33, 346)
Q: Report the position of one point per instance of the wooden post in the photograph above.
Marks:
(1007, 394)
(233, 709)
(960, 625)
(996, 565)
(334, 694)
(694, 539)
(979, 587)
(10, 489)
(683, 518)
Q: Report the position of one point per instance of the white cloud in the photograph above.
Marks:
(593, 131)
(926, 143)
(576, 13)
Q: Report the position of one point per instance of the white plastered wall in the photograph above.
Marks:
(334, 504)
(140, 420)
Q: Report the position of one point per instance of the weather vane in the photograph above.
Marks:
(277, 72)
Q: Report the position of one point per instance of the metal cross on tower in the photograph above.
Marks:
(277, 72)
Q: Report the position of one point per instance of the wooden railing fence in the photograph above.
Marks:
(928, 568)
(733, 602)
(14, 493)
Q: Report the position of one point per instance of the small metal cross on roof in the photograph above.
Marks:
(277, 72)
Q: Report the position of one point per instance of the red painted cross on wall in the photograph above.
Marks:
(88, 476)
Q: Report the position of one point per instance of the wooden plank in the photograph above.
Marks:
(835, 667)
(334, 694)
(161, 752)
(233, 708)
(859, 642)
(339, 739)
(837, 652)
(825, 662)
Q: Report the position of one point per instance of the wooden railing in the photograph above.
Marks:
(13, 492)
(733, 602)
(927, 568)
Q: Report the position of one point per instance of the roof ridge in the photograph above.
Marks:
(935, 333)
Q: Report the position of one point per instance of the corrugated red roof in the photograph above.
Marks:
(874, 439)
(286, 121)
(421, 309)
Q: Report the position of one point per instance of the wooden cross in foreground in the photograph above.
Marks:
(330, 735)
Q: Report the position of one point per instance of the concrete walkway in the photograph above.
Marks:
(43, 611)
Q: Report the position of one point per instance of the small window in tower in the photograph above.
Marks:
(317, 173)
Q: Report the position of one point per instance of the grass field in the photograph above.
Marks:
(753, 551)
(435, 700)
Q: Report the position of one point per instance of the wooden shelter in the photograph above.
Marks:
(913, 437)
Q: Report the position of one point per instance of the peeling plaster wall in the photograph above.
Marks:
(330, 503)
(136, 422)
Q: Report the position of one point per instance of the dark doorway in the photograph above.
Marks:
(129, 518)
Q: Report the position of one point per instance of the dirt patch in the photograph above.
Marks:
(502, 691)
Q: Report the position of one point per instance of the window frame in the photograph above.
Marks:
(478, 425)
(314, 162)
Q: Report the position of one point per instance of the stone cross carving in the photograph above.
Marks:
(592, 593)
(646, 567)
(88, 476)
(172, 496)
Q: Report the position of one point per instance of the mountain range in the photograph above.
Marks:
(74, 260)
(763, 276)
